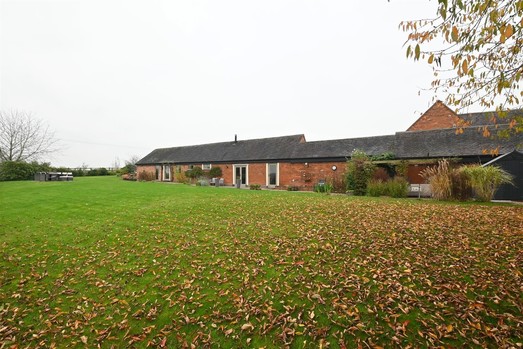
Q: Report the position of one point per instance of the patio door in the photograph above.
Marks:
(240, 174)
(166, 172)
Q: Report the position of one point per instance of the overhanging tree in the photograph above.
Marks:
(23, 137)
(475, 48)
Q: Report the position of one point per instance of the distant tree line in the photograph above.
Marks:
(21, 170)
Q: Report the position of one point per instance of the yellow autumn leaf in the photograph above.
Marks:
(431, 59)
(454, 33)
(509, 31)
(464, 67)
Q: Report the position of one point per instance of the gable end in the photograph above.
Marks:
(438, 116)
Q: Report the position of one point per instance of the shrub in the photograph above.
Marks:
(453, 183)
(61, 169)
(359, 172)
(376, 187)
(439, 179)
(181, 177)
(380, 174)
(43, 167)
(129, 176)
(195, 172)
(460, 185)
(402, 169)
(102, 171)
(396, 188)
(147, 176)
(323, 188)
(292, 188)
(16, 171)
(215, 172)
(339, 185)
(255, 187)
(486, 180)
(21, 170)
(78, 173)
(128, 168)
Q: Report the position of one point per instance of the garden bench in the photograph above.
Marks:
(53, 176)
(216, 181)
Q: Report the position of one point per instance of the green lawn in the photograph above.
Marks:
(100, 261)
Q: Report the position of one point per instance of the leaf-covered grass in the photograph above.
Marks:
(99, 261)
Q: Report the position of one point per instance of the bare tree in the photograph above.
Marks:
(23, 137)
(133, 159)
(130, 164)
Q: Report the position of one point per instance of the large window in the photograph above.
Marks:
(166, 172)
(157, 172)
(272, 174)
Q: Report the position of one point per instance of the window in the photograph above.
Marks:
(206, 166)
(157, 172)
(272, 175)
(178, 168)
(166, 172)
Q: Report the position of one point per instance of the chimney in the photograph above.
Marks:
(235, 138)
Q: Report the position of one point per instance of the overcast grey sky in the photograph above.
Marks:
(120, 78)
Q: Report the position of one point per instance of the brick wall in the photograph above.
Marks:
(148, 172)
(227, 173)
(436, 117)
(149, 169)
(258, 174)
(306, 175)
(302, 175)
